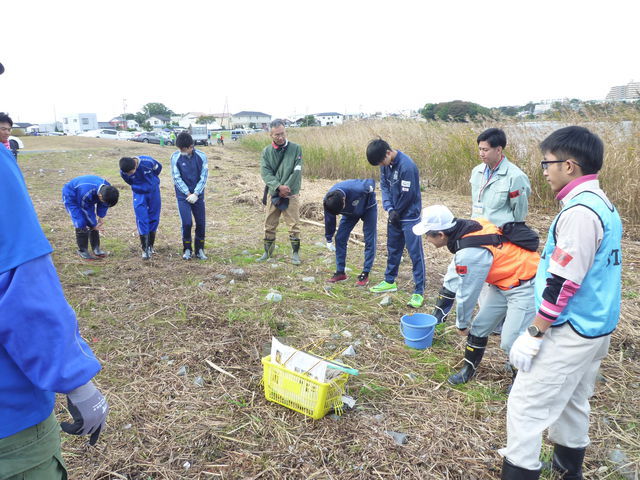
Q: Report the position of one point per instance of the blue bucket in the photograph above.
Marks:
(417, 330)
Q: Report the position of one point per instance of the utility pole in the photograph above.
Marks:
(226, 114)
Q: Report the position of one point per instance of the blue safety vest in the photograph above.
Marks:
(595, 308)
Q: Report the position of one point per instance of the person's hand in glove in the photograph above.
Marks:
(89, 410)
(523, 350)
(331, 247)
(394, 219)
(193, 198)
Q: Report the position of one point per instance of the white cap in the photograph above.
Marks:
(434, 219)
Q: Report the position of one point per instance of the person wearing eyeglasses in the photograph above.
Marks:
(578, 295)
(281, 170)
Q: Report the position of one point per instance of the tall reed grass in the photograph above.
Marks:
(446, 152)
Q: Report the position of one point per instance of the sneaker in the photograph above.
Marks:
(338, 277)
(200, 255)
(86, 255)
(416, 301)
(363, 279)
(384, 287)
(187, 254)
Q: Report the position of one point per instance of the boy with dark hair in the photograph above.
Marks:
(355, 200)
(142, 173)
(578, 294)
(400, 186)
(190, 169)
(87, 199)
(6, 124)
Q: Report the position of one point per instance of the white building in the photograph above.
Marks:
(329, 118)
(158, 121)
(247, 119)
(79, 122)
(621, 93)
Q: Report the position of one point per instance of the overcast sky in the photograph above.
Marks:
(308, 56)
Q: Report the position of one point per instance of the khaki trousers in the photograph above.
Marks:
(553, 394)
(291, 217)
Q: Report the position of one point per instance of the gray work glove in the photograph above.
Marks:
(331, 247)
(89, 410)
(193, 198)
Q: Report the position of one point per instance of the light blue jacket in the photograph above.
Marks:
(503, 197)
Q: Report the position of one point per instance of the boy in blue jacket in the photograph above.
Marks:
(41, 350)
(190, 169)
(142, 173)
(87, 199)
(400, 186)
(355, 200)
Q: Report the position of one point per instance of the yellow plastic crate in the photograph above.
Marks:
(300, 392)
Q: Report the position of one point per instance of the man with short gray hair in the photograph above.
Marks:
(281, 170)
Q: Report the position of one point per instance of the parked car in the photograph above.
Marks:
(151, 137)
(101, 133)
(124, 135)
(17, 140)
(199, 134)
(236, 134)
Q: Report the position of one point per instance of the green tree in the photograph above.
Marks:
(428, 111)
(308, 121)
(205, 119)
(151, 109)
(455, 111)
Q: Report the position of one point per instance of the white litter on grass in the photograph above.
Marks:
(349, 401)
(349, 351)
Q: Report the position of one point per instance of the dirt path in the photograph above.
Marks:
(158, 327)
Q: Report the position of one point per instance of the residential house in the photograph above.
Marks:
(190, 118)
(79, 122)
(20, 128)
(223, 119)
(158, 121)
(121, 123)
(329, 118)
(248, 119)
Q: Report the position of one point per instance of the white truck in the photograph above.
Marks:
(199, 134)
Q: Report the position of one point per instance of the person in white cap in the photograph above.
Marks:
(482, 255)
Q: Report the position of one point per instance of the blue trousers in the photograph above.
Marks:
(147, 209)
(397, 238)
(188, 212)
(369, 227)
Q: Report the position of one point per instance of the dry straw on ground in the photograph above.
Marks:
(148, 320)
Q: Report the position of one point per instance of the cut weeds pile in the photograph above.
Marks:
(181, 343)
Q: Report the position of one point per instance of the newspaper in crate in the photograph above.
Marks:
(301, 362)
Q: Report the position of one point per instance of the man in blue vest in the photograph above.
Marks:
(41, 350)
(578, 292)
(190, 170)
(142, 173)
(355, 200)
(87, 199)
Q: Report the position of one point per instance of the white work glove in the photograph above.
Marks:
(193, 198)
(331, 247)
(523, 350)
(89, 410)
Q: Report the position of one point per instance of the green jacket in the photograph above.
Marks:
(278, 169)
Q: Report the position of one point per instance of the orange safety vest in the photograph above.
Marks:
(511, 263)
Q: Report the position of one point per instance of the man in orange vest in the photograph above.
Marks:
(483, 255)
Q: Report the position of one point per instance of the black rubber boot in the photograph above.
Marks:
(512, 472)
(146, 248)
(186, 249)
(568, 461)
(94, 238)
(200, 249)
(82, 239)
(514, 373)
(472, 357)
(269, 245)
(443, 304)
(152, 240)
(295, 247)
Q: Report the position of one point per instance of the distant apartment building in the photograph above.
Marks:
(79, 122)
(329, 118)
(621, 93)
(248, 119)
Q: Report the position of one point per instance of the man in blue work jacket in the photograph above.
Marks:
(87, 199)
(190, 170)
(355, 200)
(142, 173)
(41, 350)
(400, 186)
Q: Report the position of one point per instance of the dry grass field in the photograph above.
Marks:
(159, 326)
